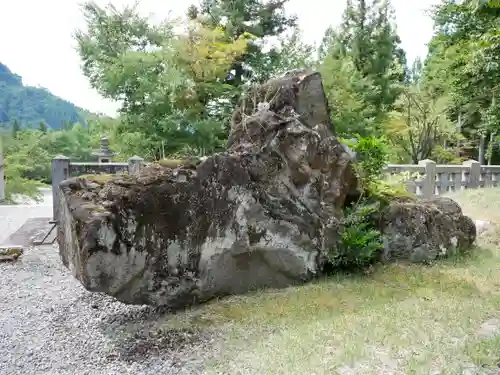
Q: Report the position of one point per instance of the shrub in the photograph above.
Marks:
(372, 155)
(360, 238)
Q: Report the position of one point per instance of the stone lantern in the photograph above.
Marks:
(104, 155)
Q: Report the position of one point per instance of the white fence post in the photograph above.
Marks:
(474, 168)
(429, 183)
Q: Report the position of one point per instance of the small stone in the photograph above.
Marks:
(419, 229)
(10, 253)
(482, 226)
(489, 328)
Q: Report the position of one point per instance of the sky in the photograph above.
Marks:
(36, 38)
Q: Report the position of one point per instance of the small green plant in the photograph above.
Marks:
(360, 240)
(446, 156)
(372, 156)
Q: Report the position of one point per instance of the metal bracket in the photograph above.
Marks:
(42, 242)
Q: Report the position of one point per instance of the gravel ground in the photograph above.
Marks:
(12, 217)
(50, 325)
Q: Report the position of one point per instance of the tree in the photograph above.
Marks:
(16, 128)
(261, 19)
(419, 123)
(346, 90)
(169, 83)
(290, 53)
(463, 62)
(366, 46)
(20, 158)
(42, 126)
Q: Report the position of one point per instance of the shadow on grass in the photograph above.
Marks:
(472, 257)
(332, 296)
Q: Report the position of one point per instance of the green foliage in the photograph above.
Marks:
(363, 67)
(360, 240)
(178, 88)
(171, 84)
(371, 158)
(443, 155)
(419, 122)
(16, 172)
(28, 154)
(463, 63)
(28, 106)
(372, 154)
(262, 19)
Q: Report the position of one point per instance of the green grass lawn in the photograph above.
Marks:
(438, 319)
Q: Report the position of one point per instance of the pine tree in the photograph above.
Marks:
(367, 37)
(257, 18)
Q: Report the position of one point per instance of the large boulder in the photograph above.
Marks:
(263, 214)
(422, 230)
(266, 213)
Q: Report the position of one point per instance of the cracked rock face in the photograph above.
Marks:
(262, 214)
(265, 213)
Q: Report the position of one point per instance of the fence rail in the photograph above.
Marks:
(78, 169)
(435, 179)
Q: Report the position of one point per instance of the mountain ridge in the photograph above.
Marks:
(28, 105)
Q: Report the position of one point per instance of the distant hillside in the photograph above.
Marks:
(30, 105)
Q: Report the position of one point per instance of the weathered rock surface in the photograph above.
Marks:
(260, 215)
(263, 214)
(422, 230)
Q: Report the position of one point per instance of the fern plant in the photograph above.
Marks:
(360, 240)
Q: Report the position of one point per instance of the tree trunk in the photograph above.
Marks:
(492, 136)
(491, 145)
(482, 149)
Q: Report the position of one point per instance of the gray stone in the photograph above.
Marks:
(10, 253)
(265, 213)
(422, 230)
(262, 214)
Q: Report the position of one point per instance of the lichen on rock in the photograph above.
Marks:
(262, 214)
(422, 230)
